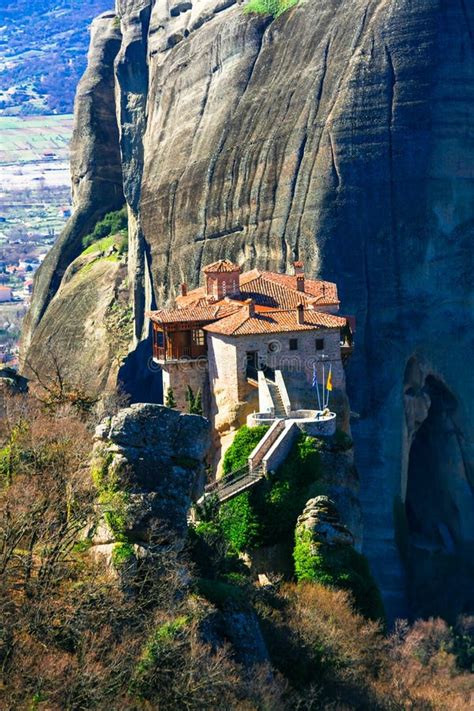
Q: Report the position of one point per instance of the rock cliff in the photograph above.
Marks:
(341, 134)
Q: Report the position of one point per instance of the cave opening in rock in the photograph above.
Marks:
(431, 510)
(439, 503)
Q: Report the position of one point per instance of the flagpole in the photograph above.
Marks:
(324, 385)
(315, 381)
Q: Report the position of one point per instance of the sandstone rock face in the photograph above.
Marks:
(321, 518)
(85, 332)
(157, 457)
(96, 169)
(340, 134)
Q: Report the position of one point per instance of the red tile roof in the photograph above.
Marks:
(282, 321)
(324, 291)
(223, 265)
(200, 314)
(272, 290)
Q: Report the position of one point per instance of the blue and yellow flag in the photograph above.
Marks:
(329, 381)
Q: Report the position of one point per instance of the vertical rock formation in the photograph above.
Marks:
(340, 134)
(148, 463)
(96, 169)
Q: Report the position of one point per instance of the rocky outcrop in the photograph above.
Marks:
(148, 464)
(340, 134)
(96, 172)
(321, 518)
(86, 331)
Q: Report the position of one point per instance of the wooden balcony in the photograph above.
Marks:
(175, 346)
(163, 354)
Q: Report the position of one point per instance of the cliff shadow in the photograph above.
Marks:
(435, 520)
(140, 377)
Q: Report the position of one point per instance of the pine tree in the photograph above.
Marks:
(197, 409)
(194, 402)
(190, 399)
(169, 399)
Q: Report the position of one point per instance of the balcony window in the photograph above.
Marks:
(199, 337)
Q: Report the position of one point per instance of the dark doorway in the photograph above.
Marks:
(252, 364)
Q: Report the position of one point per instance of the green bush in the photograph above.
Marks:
(154, 649)
(122, 554)
(240, 523)
(244, 443)
(222, 594)
(267, 514)
(114, 223)
(338, 566)
(273, 8)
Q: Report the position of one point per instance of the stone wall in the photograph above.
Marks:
(181, 374)
(300, 360)
(277, 454)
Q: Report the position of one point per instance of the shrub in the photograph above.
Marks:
(244, 443)
(194, 401)
(170, 399)
(114, 223)
(122, 554)
(273, 8)
(240, 524)
(222, 594)
(337, 566)
(267, 514)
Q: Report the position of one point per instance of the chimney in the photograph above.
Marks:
(300, 314)
(300, 282)
(249, 308)
(299, 267)
(184, 289)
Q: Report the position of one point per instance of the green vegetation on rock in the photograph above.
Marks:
(122, 554)
(267, 514)
(112, 498)
(273, 8)
(114, 223)
(244, 443)
(338, 566)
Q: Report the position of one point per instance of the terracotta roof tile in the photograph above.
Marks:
(324, 291)
(268, 289)
(241, 324)
(200, 314)
(223, 265)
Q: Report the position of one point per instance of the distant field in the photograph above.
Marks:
(25, 140)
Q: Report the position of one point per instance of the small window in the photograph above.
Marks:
(199, 337)
(320, 344)
(293, 344)
(160, 339)
(224, 288)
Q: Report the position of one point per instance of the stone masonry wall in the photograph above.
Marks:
(301, 360)
(183, 373)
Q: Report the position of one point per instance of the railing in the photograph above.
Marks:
(176, 353)
(234, 483)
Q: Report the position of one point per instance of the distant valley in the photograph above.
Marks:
(43, 53)
(35, 202)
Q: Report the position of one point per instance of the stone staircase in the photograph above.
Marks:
(280, 411)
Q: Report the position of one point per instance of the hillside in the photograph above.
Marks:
(43, 47)
(339, 134)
